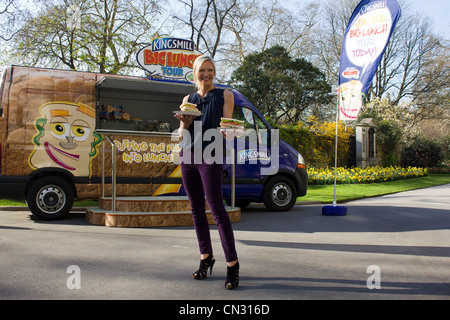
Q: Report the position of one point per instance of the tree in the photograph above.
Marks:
(228, 30)
(102, 36)
(8, 18)
(283, 88)
(207, 20)
(394, 124)
(329, 35)
(432, 89)
(289, 28)
(411, 50)
(412, 47)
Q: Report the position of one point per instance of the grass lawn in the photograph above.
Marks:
(324, 193)
(347, 192)
(22, 203)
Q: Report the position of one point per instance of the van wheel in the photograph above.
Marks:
(50, 198)
(280, 194)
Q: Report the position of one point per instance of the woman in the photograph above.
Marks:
(200, 179)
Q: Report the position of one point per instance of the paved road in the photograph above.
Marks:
(298, 254)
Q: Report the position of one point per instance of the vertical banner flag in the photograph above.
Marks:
(365, 40)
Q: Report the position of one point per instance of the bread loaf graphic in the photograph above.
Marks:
(65, 138)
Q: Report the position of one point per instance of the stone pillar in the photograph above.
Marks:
(366, 143)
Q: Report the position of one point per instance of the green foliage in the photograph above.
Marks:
(423, 153)
(316, 141)
(104, 36)
(444, 142)
(281, 87)
(388, 132)
(388, 138)
(347, 192)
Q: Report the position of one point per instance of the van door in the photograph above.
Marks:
(252, 154)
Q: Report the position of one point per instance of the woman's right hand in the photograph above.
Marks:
(185, 120)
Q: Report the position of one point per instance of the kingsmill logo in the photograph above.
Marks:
(373, 6)
(253, 154)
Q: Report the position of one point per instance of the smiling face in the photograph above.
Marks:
(206, 74)
(70, 134)
(204, 71)
(65, 138)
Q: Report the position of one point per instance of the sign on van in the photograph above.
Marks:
(169, 59)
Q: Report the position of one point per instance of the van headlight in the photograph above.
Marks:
(301, 162)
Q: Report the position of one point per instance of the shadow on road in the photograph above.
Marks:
(385, 249)
(309, 219)
(311, 285)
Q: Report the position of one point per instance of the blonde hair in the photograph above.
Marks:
(198, 63)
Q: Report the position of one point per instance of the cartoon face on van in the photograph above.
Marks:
(65, 138)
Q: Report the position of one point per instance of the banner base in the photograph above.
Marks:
(334, 211)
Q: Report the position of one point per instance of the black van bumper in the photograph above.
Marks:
(13, 187)
(301, 179)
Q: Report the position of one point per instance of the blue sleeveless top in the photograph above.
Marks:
(212, 108)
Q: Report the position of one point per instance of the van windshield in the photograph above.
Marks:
(255, 129)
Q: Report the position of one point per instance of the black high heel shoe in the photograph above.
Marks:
(232, 277)
(202, 271)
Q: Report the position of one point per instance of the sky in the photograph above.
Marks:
(438, 10)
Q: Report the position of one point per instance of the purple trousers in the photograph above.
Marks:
(207, 179)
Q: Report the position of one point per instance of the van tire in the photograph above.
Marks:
(50, 198)
(279, 194)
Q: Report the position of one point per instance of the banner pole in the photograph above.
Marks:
(335, 210)
(335, 149)
(357, 71)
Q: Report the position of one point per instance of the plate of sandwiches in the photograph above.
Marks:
(231, 124)
(188, 109)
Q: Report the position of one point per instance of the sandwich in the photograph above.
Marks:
(231, 123)
(190, 107)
